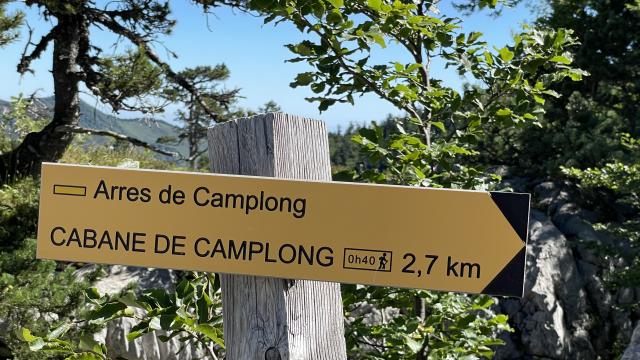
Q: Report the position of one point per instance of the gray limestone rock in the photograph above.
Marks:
(633, 350)
(551, 319)
(568, 311)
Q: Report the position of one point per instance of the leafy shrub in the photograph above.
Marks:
(622, 178)
(192, 313)
(33, 293)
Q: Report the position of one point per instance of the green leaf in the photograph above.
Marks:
(369, 134)
(324, 104)
(561, 38)
(506, 54)
(473, 36)
(439, 125)
(207, 299)
(504, 112)
(414, 345)
(106, 311)
(337, 3)
(577, 74)
(36, 344)
(165, 338)
(159, 298)
(154, 323)
(304, 79)
(483, 302)
(83, 356)
(210, 332)
(202, 310)
(488, 58)
(92, 293)
(167, 321)
(134, 335)
(185, 316)
(24, 334)
(138, 330)
(334, 17)
(129, 299)
(88, 343)
(552, 93)
(560, 59)
(419, 173)
(185, 288)
(500, 319)
(493, 342)
(538, 99)
(59, 331)
(379, 39)
(374, 4)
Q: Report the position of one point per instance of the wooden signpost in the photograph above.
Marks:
(449, 240)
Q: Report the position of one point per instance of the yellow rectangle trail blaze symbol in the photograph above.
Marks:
(71, 190)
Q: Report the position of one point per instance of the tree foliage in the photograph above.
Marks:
(9, 24)
(453, 327)
(513, 81)
(622, 178)
(17, 123)
(33, 293)
(192, 313)
(195, 120)
(582, 127)
(124, 81)
(590, 133)
(435, 145)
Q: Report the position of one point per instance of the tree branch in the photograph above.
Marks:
(354, 73)
(40, 47)
(425, 73)
(80, 130)
(196, 155)
(423, 353)
(416, 51)
(136, 39)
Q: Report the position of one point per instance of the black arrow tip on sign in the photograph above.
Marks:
(509, 281)
(515, 208)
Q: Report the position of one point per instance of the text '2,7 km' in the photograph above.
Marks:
(450, 240)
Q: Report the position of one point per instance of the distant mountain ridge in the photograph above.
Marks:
(147, 130)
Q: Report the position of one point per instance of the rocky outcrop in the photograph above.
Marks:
(147, 347)
(633, 350)
(567, 311)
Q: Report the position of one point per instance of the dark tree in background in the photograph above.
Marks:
(609, 31)
(582, 128)
(207, 80)
(122, 81)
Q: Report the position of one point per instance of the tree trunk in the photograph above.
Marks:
(269, 318)
(49, 144)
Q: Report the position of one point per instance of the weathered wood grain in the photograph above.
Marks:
(268, 318)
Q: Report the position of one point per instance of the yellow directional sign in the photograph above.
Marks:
(451, 240)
